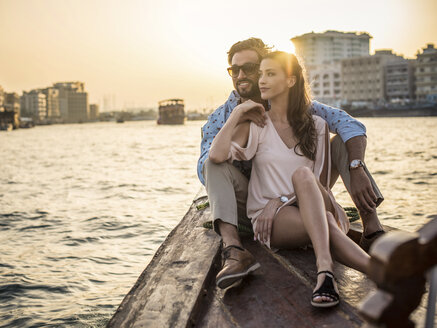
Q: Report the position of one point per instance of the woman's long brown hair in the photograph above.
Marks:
(299, 102)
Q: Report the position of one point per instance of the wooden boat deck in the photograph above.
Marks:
(177, 289)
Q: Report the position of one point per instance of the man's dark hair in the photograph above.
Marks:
(254, 44)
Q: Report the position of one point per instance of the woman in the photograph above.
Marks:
(289, 200)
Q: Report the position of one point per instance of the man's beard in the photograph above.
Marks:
(250, 92)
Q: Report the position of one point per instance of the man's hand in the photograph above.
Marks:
(252, 111)
(264, 221)
(362, 191)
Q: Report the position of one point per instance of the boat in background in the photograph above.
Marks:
(171, 111)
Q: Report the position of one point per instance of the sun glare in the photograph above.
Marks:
(283, 45)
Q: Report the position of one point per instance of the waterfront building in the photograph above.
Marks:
(363, 78)
(33, 104)
(325, 82)
(77, 107)
(75, 86)
(426, 74)
(11, 104)
(330, 46)
(94, 112)
(2, 97)
(73, 101)
(321, 54)
(399, 81)
(52, 102)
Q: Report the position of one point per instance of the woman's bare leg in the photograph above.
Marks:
(314, 223)
(313, 213)
(288, 232)
(293, 227)
(344, 249)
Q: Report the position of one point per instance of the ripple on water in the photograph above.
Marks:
(16, 289)
(41, 226)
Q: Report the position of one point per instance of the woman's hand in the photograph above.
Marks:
(264, 221)
(251, 111)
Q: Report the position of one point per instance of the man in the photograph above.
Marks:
(226, 184)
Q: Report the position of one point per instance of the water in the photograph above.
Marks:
(84, 207)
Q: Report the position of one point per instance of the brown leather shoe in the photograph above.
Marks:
(367, 241)
(237, 263)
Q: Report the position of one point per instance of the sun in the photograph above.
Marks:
(284, 45)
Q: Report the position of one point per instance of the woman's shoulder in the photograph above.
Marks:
(319, 122)
(255, 129)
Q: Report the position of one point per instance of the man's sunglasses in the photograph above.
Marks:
(248, 69)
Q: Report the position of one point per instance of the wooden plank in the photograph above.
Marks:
(169, 289)
(278, 295)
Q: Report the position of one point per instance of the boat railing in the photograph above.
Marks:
(399, 265)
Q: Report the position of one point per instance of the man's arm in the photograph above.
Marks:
(339, 121)
(209, 130)
(361, 189)
(353, 134)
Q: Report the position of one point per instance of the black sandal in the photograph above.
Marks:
(326, 289)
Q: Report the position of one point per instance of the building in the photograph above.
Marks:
(330, 46)
(33, 104)
(11, 104)
(363, 78)
(94, 112)
(325, 82)
(73, 101)
(399, 81)
(52, 102)
(78, 107)
(426, 74)
(321, 54)
(2, 98)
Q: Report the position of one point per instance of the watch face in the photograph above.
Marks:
(356, 163)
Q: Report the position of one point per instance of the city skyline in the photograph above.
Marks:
(140, 52)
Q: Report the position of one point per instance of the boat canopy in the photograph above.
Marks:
(170, 102)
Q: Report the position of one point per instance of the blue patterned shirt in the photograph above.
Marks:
(338, 120)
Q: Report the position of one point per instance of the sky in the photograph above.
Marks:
(137, 52)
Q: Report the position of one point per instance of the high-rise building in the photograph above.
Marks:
(33, 104)
(330, 46)
(399, 81)
(52, 102)
(325, 82)
(426, 74)
(363, 78)
(321, 54)
(73, 86)
(73, 101)
(77, 107)
(94, 112)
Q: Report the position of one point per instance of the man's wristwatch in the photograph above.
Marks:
(356, 163)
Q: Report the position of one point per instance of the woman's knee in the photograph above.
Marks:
(302, 175)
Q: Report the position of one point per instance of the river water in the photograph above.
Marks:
(84, 207)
